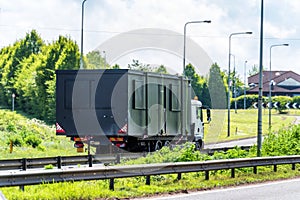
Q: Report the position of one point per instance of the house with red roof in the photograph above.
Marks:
(284, 83)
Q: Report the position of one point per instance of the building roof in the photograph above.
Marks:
(289, 82)
(285, 82)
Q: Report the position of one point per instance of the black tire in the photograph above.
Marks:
(199, 145)
(167, 143)
(158, 145)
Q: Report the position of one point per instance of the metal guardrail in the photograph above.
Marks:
(59, 161)
(31, 177)
(212, 151)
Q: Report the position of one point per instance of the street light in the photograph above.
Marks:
(270, 82)
(184, 37)
(81, 48)
(228, 98)
(245, 84)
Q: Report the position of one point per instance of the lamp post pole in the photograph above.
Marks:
(245, 84)
(234, 85)
(228, 95)
(184, 38)
(13, 96)
(259, 120)
(81, 46)
(270, 84)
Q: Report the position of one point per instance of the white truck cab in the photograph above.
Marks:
(197, 122)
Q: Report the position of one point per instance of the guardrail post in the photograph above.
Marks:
(90, 160)
(179, 176)
(275, 168)
(294, 166)
(207, 175)
(24, 164)
(59, 162)
(118, 158)
(111, 184)
(255, 170)
(232, 173)
(147, 180)
(22, 187)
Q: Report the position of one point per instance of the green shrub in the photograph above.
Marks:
(282, 100)
(50, 166)
(16, 140)
(296, 99)
(33, 140)
(250, 100)
(285, 142)
(11, 127)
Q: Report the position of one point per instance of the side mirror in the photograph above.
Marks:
(208, 115)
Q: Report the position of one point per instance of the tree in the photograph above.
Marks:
(94, 60)
(199, 85)
(254, 70)
(217, 88)
(161, 69)
(237, 84)
(61, 54)
(116, 66)
(136, 65)
(25, 85)
(11, 67)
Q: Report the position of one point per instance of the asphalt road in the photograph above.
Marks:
(242, 142)
(280, 190)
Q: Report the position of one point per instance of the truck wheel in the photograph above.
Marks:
(199, 145)
(167, 143)
(158, 145)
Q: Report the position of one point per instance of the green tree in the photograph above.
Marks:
(94, 60)
(161, 69)
(116, 66)
(11, 67)
(61, 54)
(199, 85)
(136, 65)
(237, 85)
(217, 88)
(254, 70)
(25, 85)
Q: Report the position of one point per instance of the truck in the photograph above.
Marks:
(123, 109)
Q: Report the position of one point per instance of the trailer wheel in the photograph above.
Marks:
(199, 145)
(158, 145)
(167, 143)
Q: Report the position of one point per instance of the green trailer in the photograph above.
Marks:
(131, 110)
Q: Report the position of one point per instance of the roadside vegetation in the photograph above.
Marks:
(23, 137)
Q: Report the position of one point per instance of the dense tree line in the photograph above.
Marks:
(27, 70)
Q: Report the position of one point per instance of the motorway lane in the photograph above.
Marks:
(241, 142)
(281, 190)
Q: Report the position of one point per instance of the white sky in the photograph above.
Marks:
(104, 19)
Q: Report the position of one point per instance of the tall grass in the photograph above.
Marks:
(30, 138)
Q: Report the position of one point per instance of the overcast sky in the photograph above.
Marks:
(105, 19)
